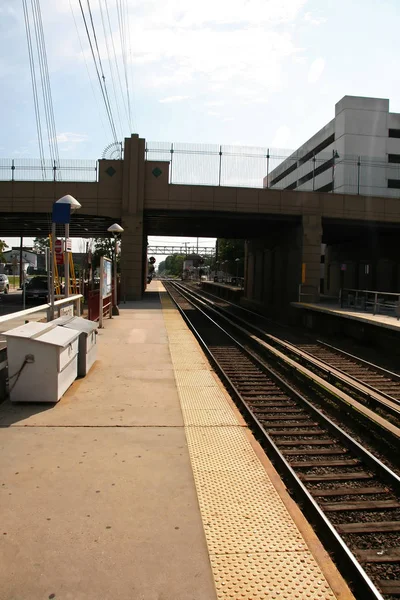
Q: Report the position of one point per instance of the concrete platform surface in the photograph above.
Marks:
(97, 498)
(145, 483)
(385, 321)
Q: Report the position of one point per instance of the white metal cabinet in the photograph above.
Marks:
(42, 361)
(87, 340)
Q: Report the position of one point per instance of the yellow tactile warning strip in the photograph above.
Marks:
(256, 550)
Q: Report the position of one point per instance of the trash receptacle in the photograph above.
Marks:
(87, 330)
(42, 361)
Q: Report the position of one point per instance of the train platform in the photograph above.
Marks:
(365, 318)
(144, 483)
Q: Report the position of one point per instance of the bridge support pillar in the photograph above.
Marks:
(133, 252)
(311, 239)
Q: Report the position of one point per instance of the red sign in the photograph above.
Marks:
(58, 246)
(60, 259)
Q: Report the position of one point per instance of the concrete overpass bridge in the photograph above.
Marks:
(284, 229)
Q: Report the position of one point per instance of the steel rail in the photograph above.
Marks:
(347, 562)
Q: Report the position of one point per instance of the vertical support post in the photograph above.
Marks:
(375, 301)
(21, 268)
(170, 171)
(333, 171)
(220, 165)
(12, 170)
(52, 282)
(77, 310)
(54, 170)
(115, 276)
(48, 271)
(101, 293)
(313, 174)
(66, 262)
(358, 174)
(267, 167)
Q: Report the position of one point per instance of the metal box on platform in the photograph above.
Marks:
(87, 330)
(42, 361)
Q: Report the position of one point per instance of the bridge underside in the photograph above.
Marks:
(215, 224)
(39, 225)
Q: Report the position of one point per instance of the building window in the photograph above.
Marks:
(394, 133)
(292, 186)
(326, 188)
(277, 179)
(394, 184)
(317, 149)
(394, 158)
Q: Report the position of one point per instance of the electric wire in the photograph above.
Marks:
(122, 29)
(111, 69)
(34, 88)
(116, 63)
(102, 70)
(46, 87)
(108, 108)
(87, 69)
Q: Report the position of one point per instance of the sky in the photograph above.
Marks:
(237, 72)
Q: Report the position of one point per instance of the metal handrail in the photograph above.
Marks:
(30, 311)
(375, 299)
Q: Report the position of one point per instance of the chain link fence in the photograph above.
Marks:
(32, 169)
(236, 166)
(257, 167)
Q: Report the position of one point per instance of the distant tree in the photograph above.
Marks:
(40, 244)
(230, 249)
(3, 246)
(174, 264)
(103, 247)
(161, 267)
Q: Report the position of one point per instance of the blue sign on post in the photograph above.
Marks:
(61, 213)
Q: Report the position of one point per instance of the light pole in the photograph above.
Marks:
(114, 229)
(73, 205)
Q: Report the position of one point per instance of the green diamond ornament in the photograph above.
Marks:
(157, 172)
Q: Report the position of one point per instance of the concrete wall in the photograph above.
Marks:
(283, 265)
(371, 264)
(360, 127)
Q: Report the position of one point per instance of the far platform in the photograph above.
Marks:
(380, 330)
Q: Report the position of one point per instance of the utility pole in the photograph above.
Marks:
(21, 268)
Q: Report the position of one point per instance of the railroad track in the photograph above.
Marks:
(351, 497)
(322, 360)
(376, 378)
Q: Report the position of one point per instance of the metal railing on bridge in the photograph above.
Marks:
(184, 250)
(237, 166)
(33, 169)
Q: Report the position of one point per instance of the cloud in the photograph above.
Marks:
(313, 20)
(316, 69)
(74, 138)
(282, 137)
(236, 51)
(174, 99)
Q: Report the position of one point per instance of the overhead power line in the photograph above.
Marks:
(101, 78)
(87, 69)
(122, 14)
(45, 79)
(34, 87)
(126, 106)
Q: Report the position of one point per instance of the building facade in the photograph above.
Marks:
(358, 152)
